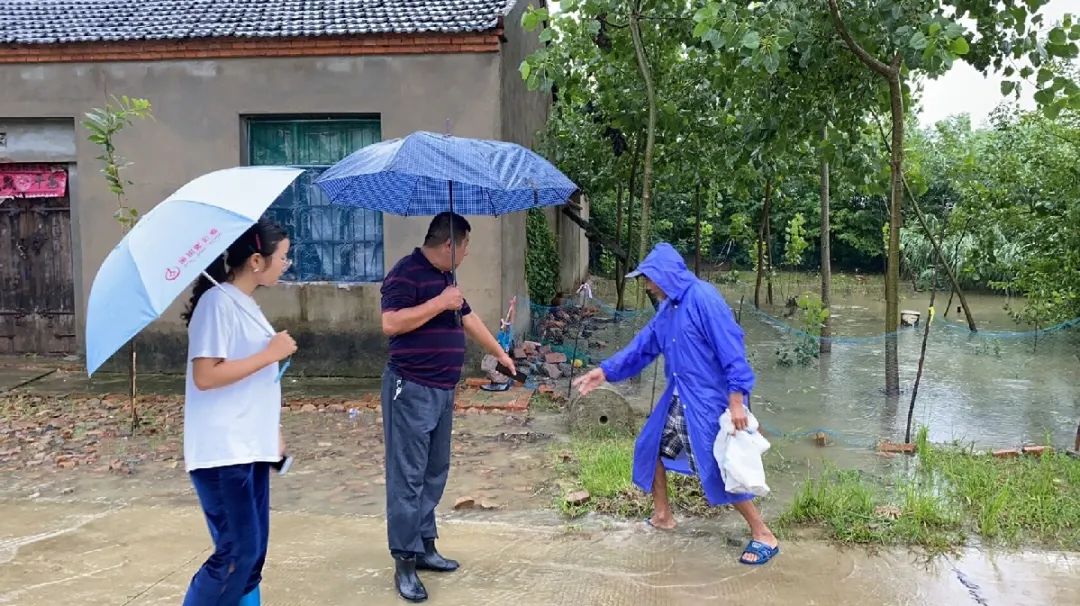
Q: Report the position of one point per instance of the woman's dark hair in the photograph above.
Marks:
(261, 238)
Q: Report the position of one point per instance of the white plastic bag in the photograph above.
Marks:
(739, 456)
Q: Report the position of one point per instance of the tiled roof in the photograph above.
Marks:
(64, 21)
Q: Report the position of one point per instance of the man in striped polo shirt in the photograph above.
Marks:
(427, 351)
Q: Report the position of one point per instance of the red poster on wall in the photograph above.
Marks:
(32, 181)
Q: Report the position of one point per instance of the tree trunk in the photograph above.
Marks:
(956, 263)
(892, 271)
(761, 242)
(650, 136)
(630, 193)
(922, 360)
(697, 232)
(826, 260)
(890, 73)
(620, 266)
(768, 252)
(133, 392)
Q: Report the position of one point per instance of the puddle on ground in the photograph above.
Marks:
(94, 554)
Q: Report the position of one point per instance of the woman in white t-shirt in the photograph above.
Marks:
(232, 411)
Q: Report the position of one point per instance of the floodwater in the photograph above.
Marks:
(997, 388)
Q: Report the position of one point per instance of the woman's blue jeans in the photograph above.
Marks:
(236, 502)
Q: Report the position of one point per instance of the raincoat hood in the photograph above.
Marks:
(665, 266)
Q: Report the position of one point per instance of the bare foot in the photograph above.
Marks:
(767, 538)
(662, 522)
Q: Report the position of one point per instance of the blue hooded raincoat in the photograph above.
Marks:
(704, 357)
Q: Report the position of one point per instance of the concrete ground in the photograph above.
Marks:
(135, 536)
(97, 554)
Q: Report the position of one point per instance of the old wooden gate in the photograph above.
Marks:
(37, 293)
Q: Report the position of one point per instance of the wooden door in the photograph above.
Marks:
(37, 291)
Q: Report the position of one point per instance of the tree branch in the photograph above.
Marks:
(664, 18)
(871, 62)
(650, 133)
(592, 233)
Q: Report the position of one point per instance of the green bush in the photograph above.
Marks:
(541, 261)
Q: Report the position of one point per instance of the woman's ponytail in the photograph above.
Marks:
(261, 239)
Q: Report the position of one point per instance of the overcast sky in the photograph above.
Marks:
(964, 90)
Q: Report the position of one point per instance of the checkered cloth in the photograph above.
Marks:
(416, 175)
(676, 438)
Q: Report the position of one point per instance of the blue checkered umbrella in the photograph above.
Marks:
(428, 173)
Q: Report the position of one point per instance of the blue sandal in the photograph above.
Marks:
(651, 526)
(763, 552)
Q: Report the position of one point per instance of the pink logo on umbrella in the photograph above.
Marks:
(196, 249)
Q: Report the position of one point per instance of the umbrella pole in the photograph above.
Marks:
(269, 333)
(453, 251)
(453, 242)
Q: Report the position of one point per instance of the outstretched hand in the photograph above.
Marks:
(590, 381)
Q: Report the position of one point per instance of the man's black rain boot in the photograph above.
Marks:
(406, 581)
(432, 560)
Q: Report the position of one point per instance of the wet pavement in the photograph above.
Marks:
(90, 516)
(99, 554)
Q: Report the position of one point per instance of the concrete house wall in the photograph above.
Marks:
(200, 104)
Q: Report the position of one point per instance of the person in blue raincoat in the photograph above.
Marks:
(707, 373)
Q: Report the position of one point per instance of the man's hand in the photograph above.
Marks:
(738, 411)
(505, 359)
(451, 298)
(590, 381)
(281, 442)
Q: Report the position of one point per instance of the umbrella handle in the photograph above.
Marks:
(284, 367)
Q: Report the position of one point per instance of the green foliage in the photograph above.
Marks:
(795, 243)
(813, 314)
(1008, 196)
(767, 90)
(541, 260)
(104, 124)
(804, 350)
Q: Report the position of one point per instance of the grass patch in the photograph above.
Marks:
(547, 403)
(953, 493)
(1010, 501)
(855, 508)
(602, 465)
